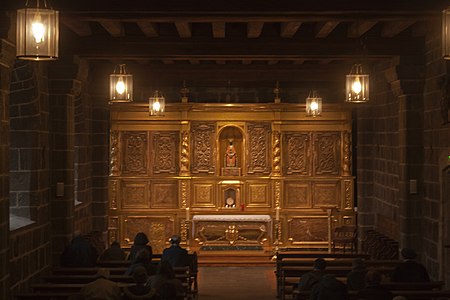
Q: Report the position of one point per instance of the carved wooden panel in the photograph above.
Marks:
(134, 194)
(203, 148)
(165, 152)
(113, 229)
(157, 229)
(134, 146)
(114, 168)
(308, 229)
(258, 195)
(259, 147)
(347, 164)
(164, 194)
(113, 194)
(203, 195)
(327, 150)
(297, 153)
(296, 195)
(326, 194)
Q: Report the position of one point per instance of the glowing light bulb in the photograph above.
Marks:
(156, 106)
(356, 86)
(120, 86)
(314, 105)
(38, 30)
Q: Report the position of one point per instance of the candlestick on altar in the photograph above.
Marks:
(187, 213)
(277, 214)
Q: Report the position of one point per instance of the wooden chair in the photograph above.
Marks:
(345, 235)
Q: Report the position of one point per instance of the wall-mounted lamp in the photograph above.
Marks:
(156, 104)
(357, 85)
(37, 32)
(313, 104)
(120, 85)
(446, 33)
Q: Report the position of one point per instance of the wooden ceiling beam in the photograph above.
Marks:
(114, 28)
(148, 28)
(254, 29)
(81, 28)
(218, 30)
(247, 62)
(184, 29)
(194, 61)
(391, 29)
(272, 62)
(358, 28)
(288, 29)
(326, 28)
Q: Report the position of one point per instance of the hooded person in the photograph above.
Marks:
(175, 255)
(140, 243)
(79, 254)
(113, 253)
(410, 270)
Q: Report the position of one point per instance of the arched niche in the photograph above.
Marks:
(231, 152)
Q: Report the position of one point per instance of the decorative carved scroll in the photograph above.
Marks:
(164, 195)
(165, 148)
(184, 192)
(348, 194)
(114, 154)
(184, 171)
(135, 152)
(276, 154)
(297, 151)
(347, 165)
(258, 151)
(203, 148)
(327, 153)
(113, 194)
(277, 193)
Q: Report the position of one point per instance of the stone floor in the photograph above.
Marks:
(237, 283)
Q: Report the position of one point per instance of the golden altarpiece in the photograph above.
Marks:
(230, 174)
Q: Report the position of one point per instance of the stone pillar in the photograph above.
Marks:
(62, 153)
(407, 82)
(7, 56)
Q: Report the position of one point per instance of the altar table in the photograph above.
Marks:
(232, 229)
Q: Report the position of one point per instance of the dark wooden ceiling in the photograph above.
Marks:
(243, 44)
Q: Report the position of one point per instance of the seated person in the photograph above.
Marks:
(329, 288)
(79, 254)
(310, 279)
(140, 242)
(142, 260)
(101, 288)
(164, 282)
(175, 255)
(140, 290)
(374, 290)
(356, 278)
(409, 270)
(113, 253)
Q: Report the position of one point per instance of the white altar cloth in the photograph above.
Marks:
(255, 218)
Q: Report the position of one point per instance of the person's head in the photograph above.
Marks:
(358, 264)
(320, 264)
(373, 278)
(102, 272)
(140, 275)
(140, 239)
(165, 269)
(175, 240)
(408, 253)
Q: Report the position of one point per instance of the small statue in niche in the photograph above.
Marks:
(230, 155)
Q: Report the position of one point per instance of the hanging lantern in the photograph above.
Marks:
(313, 104)
(37, 33)
(357, 85)
(120, 85)
(156, 104)
(446, 33)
